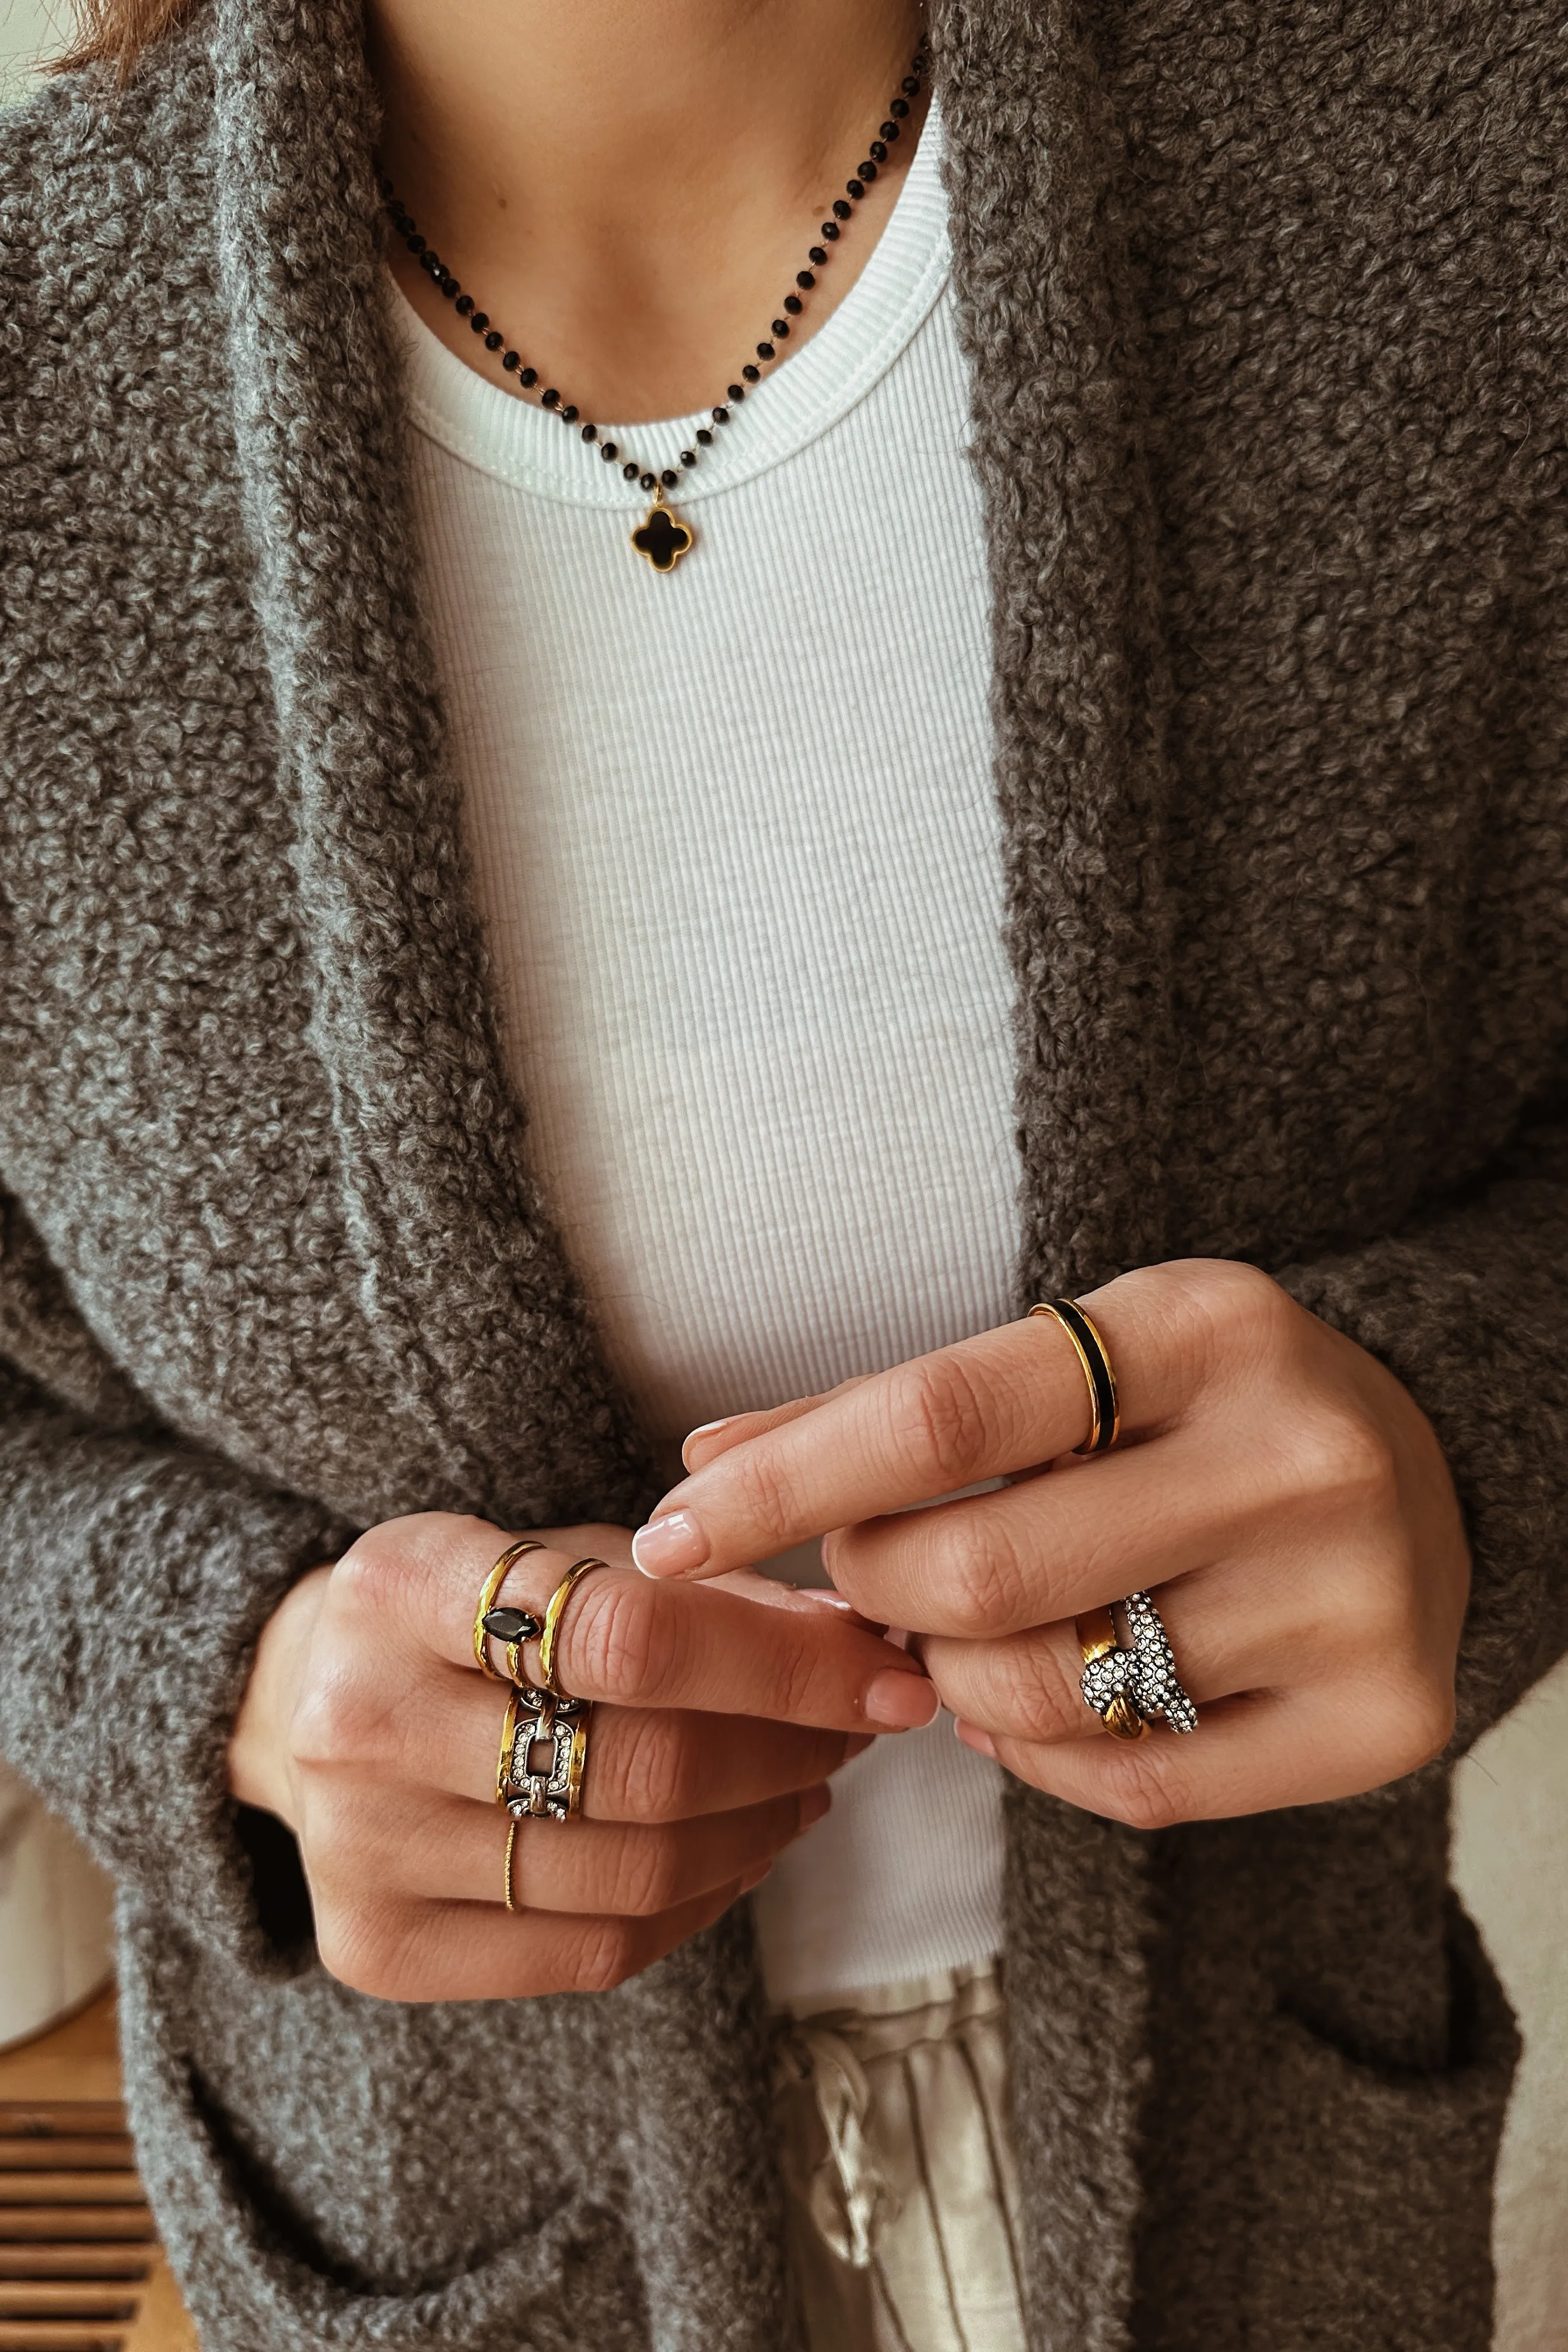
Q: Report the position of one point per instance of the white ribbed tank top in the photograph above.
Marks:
(738, 859)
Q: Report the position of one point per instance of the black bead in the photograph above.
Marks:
(649, 482)
(608, 450)
(736, 391)
(493, 341)
(512, 1625)
(530, 377)
(479, 321)
(416, 244)
(764, 352)
(910, 84)
(804, 277)
(449, 286)
(793, 305)
(509, 361)
(590, 432)
(551, 399)
(704, 438)
(670, 477)
(630, 472)
(753, 374)
(889, 131)
(688, 457)
(840, 209)
(430, 261)
(900, 107)
(569, 415)
(781, 329)
(868, 170)
(818, 255)
(721, 416)
(465, 304)
(830, 231)
(877, 151)
(853, 188)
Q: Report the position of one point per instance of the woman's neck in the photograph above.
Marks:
(628, 186)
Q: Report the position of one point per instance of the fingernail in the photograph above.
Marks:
(899, 1702)
(670, 1545)
(704, 1429)
(813, 1805)
(973, 1737)
(755, 1878)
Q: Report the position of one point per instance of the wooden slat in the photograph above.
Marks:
(78, 2060)
(101, 2153)
(24, 2117)
(86, 2223)
(69, 2187)
(128, 2264)
(66, 2299)
(59, 2335)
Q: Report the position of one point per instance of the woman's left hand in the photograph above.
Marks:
(1280, 1494)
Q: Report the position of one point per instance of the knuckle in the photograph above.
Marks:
(980, 1573)
(342, 1717)
(621, 1638)
(767, 1495)
(1142, 1797)
(605, 1956)
(1034, 1689)
(1339, 1456)
(939, 1419)
(659, 1769)
(371, 1952)
(649, 1873)
(1424, 1714)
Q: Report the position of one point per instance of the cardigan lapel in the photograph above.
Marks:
(1080, 702)
(460, 1277)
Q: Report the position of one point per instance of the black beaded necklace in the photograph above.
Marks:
(661, 538)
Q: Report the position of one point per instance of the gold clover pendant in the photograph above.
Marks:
(659, 539)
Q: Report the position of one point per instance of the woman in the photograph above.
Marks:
(1211, 505)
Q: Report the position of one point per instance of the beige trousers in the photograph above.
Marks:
(899, 2172)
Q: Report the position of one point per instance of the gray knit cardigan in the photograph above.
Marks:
(1268, 322)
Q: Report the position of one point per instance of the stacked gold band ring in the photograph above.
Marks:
(540, 1716)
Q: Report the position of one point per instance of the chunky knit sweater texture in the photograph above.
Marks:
(1269, 333)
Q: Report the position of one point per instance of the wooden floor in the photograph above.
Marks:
(80, 2267)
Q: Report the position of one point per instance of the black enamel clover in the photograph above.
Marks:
(662, 540)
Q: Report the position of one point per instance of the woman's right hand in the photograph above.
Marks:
(368, 1728)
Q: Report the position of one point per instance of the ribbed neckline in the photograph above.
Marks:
(521, 444)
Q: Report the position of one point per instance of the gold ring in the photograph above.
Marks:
(482, 1632)
(510, 1847)
(1097, 1637)
(551, 1790)
(552, 1609)
(1094, 1360)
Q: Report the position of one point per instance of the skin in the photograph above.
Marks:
(1281, 1491)
(628, 186)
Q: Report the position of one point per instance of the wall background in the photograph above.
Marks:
(1510, 1816)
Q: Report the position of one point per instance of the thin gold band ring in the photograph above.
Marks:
(553, 1613)
(492, 1586)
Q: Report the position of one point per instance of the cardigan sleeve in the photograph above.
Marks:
(1468, 1308)
(136, 1575)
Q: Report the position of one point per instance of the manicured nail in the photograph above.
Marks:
(899, 1702)
(973, 1737)
(670, 1545)
(813, 1805)
(704, 1429)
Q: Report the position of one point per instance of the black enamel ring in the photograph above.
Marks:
(1105, 1411)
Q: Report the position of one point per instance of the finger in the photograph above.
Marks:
(1249, 1754)
(994, 1564)
(716, 1437)
(630, 1642)
(480, 1951)
(1280, 1618)
(987, 1408)
(661, 1765)
(459, 1855)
